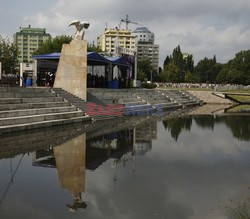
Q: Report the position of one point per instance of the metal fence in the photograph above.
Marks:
(9, 80)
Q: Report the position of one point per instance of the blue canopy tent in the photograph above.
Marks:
(93, 59)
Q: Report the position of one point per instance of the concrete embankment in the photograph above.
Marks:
(209, 98)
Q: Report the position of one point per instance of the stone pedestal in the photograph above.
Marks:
(71, 73)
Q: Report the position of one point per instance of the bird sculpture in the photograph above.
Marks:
(80, 29)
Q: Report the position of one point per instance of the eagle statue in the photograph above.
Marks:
(80, 29)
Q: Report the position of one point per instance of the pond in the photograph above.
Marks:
(171, 167)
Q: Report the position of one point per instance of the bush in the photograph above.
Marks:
(149, 85)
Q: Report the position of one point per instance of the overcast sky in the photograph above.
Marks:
(202, 28)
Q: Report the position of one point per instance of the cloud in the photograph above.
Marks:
(202, 28)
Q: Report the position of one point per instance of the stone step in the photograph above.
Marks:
(39, 118)
(26, 94)
(5, 107)
(52, 134)
(29, 100)
(24, 89)
(29, 112)
(43, 124)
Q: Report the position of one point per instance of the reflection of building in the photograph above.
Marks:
(117, 41)
(146, 49)
(28, 40)
(75, 155)
(144, 136)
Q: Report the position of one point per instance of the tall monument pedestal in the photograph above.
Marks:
(71, 73)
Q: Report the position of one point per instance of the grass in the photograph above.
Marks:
(238, 108)
(239, 98)
(237, 91)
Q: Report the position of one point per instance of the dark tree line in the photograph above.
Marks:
(180, 68)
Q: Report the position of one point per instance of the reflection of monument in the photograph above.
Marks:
(70, 163)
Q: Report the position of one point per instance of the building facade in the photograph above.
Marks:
(146, 49)
(116, 41)
(28, 40)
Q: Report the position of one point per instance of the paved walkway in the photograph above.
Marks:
(209, 98)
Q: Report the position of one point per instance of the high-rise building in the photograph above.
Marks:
(146, 49)
(117, 41)
(28, 40)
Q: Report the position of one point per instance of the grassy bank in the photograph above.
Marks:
(239, 108)
(237, 91)
(240, 99)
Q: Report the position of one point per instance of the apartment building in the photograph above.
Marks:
(28, 40)
(116, 41)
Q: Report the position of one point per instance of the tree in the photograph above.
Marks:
(93, 48)
(189, 64)
(140, 75)
(52, 45)
(171, 73)
(177, 58)
(8, 55)
(222, 75)
(166, 61)
(188, 77)
(144, 65)
(239, 68)
(185, 64)
(208, 70)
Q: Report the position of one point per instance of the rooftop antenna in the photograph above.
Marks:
(127, 21)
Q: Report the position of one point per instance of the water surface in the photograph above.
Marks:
(184, 167)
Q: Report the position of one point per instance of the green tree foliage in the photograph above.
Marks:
(52, 45)
(141, 75)
(171, 73)
(185, 66)
(8, 55)
(208, 69)
(93, 48)
(166, 61)
(144, 66)
(239, 68)
(236, 71)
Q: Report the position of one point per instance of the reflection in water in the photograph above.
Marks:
(239, 125)
(74, 156)
(172, 175)
(70, 164)
(177, 125)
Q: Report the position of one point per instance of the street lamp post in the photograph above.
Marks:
(135, 76)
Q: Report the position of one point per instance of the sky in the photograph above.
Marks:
(202, 28)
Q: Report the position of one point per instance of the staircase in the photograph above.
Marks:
(30, 108)
(183, 98)
(132, 101)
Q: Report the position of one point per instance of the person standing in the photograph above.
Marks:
(25, 76)
(47, 79)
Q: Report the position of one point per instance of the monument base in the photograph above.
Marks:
(71, 73)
